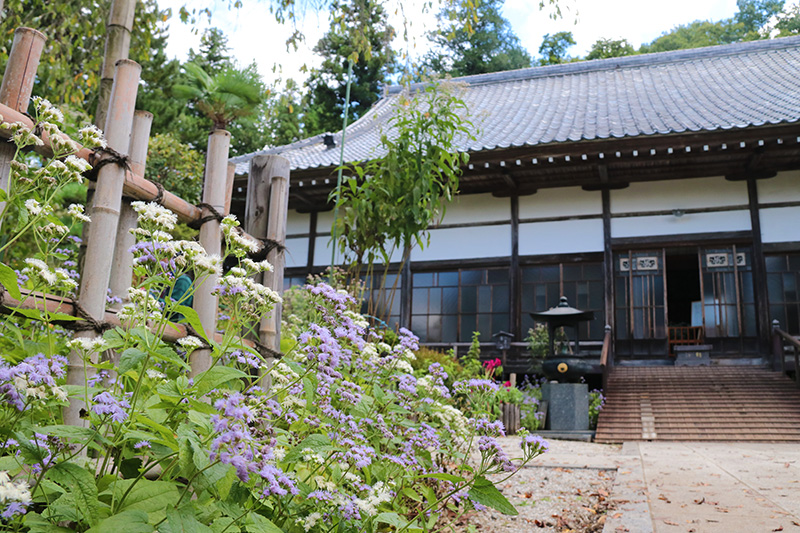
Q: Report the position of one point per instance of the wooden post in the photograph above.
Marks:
(118, 43)
(214, 183)
(269, 171)
(229, 188)
(16, 88)
(122, 264)
(103, 229)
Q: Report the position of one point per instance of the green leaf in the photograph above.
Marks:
(10, 463)
(318, 443)
(216, 376)
(412, 494)
(259, 524)
(148, 496)
(191, 316)
(75, 433)
(9, 280)
(130, 521)
(130, 359)
(445, 477)
(393, 519)
(81, 485)
(38, 524)
(485, 493)
(167, 354)
(183, 521)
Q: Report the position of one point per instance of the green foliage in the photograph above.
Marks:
(754, 14)
(607, 48)
(529, 407)
(487, 44)
(554, 48)
(472, 360)
(787, 22)
(596, 403)
(176, 166)
(425, 357)
(390, 202)
(359, 32)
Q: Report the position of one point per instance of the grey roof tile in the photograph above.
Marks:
(705, 89)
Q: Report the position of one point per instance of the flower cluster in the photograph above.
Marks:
(32, 379)
(15, 495)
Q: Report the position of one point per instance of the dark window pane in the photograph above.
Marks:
(485, 327)
(593, 271)
(434, 328)
(450, 300)
(500, 323)
(549, 273)
(448, 279)
(572, 273)
(469, 299)
(449, 328)
(500, 299)
(529, 274)
(569, 292)
(419, 299)
(498, 275)
(794, 262)
(472, 277)
(419, 325)
(467, 327)
(775, 263)
(553, 295)
(484, 299)
(789, 288)
(435, 301)
(423, 279)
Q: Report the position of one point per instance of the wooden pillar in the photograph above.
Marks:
(118, 43)
(312, 241)
(214, 194)
(608, 262)
(759, 271)
(122, 265)
(276, 170)
(229, 188)
(102, 232)
(405, 291)
(514, 285)
(16, 88)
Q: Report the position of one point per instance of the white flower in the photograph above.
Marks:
(76, 211)
(311, 520)
(13, 491)
(282, 373)
(263, 266)
(155, 213)
(91, 137)
(33, 207)
(39, 268)
(209, 263)
(403, 366)
(155, 374)
(76, 164)
(380, 493)
(59, 393)
(409, 355)
(88, 344)
(236, 271)
(190, 343)
(279, 453)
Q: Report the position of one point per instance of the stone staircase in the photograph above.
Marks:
(717, 403)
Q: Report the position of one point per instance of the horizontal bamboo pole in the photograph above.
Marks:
(56, 304)
(136, 186)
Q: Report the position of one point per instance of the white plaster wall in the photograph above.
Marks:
(477, 208)
(466, 243)
(297, 222)
(324, 222)
(780, 224)
(689, 223)
(322, 252)
(564, 201)
(678, 194)
(785, 187)
(564, 237)
(296, 252)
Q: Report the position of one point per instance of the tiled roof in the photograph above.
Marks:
(704, 89)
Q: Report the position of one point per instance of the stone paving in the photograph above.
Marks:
(666, 487)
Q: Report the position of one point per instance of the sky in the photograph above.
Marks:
(255, 36)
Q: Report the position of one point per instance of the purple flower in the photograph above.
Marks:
(13, 509)
(106, 404)
(141, 444)
(534, 443)
(475, 385)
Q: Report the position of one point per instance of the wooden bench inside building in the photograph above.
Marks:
(684, 336)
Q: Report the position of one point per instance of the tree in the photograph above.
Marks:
(69, 74)
(373, 63)
(487, 45)
(606, 48)
(554, 48)
(754, 14)
(176, 166)
(785, 23)
(694, 35)
(283, 117)
(223, 97)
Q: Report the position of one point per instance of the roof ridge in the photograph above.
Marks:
(632, 61)
(302, 143)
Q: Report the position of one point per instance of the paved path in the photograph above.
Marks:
(666, 487)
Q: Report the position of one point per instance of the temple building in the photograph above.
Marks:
(660, 191)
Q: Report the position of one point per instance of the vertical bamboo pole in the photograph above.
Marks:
(229, 188)
(214, 183)
(278, 170)
(122, 264)
(118, 44)
(102, 232)
(16, 88)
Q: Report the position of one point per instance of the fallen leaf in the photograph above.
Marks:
(779, 528)
(602, 492)
(671, 523)
(538, 523)
(664, 498)
(795, 522)
(698, 502)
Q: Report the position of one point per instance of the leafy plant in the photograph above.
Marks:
(596, 402)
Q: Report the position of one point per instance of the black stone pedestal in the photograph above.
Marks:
(567, 406)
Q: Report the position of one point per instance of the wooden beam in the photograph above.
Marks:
(759, 272)
(515, 285)
(608, 264)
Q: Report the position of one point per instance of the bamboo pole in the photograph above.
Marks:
(277, 168)
(122, 264)
(118, 43)
(102, 231)
(229, 188)
(16, 88)
(214, 194)
(58, 304)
